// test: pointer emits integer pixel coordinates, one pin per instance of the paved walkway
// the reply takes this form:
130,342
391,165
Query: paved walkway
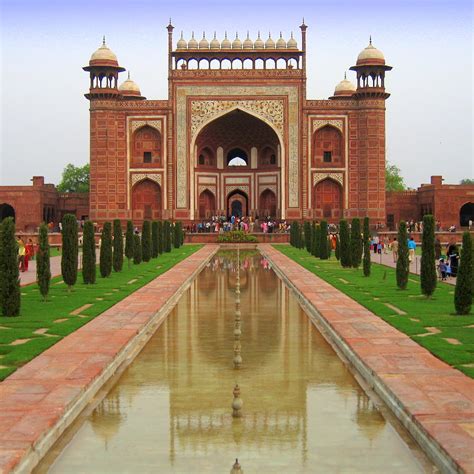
41,399
438,399
415,265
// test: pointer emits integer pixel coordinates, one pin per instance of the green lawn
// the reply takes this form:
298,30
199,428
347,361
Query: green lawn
421,313
53,320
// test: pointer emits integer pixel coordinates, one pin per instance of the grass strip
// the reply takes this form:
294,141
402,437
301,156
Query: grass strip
421,313
55,314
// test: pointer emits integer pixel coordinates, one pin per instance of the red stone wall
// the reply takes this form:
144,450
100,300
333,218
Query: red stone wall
401,206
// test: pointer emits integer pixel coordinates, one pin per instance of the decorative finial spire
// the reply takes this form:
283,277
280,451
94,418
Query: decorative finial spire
258,34
225,34
236,35
269,34
192,34
345,74
248,34
370,40
215,35
203,35
103,40
281,35
182,34
128,75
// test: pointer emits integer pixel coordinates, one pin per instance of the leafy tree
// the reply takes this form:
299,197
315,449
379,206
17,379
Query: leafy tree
146,241
315,250
9,273
70,250
337,251
88,254
323,246
105,257
154,239
366,244
75,179
393,180
466,181
137,249
118,246
160,237
428,277
345,244
403,264
307,235
356,243
464,287
43,268
129,242
167,236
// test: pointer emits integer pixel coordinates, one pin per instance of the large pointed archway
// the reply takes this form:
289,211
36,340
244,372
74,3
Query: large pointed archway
247,155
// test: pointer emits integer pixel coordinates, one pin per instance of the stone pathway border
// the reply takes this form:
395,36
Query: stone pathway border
41,399
432,400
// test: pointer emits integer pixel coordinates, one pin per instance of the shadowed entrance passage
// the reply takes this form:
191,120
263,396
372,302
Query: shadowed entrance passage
237,204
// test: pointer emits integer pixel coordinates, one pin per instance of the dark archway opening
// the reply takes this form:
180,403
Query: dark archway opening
237,157
6,211
237,204
466,213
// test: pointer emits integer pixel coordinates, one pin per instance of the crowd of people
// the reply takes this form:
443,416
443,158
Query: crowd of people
220,224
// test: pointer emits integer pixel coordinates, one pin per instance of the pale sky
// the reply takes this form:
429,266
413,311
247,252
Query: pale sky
44,44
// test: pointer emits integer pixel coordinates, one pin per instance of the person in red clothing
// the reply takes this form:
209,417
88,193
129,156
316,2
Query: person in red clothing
29,253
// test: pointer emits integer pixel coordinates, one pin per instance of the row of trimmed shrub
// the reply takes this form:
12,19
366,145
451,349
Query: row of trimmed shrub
353,248
156,237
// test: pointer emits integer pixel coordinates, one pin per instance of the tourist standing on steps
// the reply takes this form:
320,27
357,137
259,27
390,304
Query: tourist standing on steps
394,247
411,249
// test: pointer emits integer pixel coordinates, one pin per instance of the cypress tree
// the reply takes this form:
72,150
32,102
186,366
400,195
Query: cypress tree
328,242
307,235
178,234
296,234
70,250
356,243
301,237
146,241
137,249
105,258
292,234
317,241
167,236
160,237
402,262
367,261
129,242
345,244
154,239
323,246
88,254
313,237
118,246
463,291
337,251
428,277
9,272
43,268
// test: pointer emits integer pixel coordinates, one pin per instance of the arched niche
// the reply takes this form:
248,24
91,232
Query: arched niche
146,148
146,200
466,213
6,210
327,199
207,204
328,148
267,206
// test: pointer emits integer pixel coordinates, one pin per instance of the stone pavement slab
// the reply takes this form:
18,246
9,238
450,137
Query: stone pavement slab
434,401
39,400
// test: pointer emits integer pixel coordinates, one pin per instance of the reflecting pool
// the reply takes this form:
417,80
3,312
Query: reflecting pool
170,411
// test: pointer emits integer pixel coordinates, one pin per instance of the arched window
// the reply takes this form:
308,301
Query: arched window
237,157
268,157
206,157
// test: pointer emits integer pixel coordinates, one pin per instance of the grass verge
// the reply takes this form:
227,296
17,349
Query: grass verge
43,324
454,343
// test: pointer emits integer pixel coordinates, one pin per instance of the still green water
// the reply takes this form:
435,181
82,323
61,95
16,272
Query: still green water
170,411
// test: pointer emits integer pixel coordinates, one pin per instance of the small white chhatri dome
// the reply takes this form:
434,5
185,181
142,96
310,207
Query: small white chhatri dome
248,43
236,44
203,44
182,43
259,44
281,43
129,87
292,44
226,44
345,87
192,43
215,43
269,44
104,53
370,55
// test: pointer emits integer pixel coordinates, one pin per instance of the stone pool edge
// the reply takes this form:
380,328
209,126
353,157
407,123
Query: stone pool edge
434,448
26,461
